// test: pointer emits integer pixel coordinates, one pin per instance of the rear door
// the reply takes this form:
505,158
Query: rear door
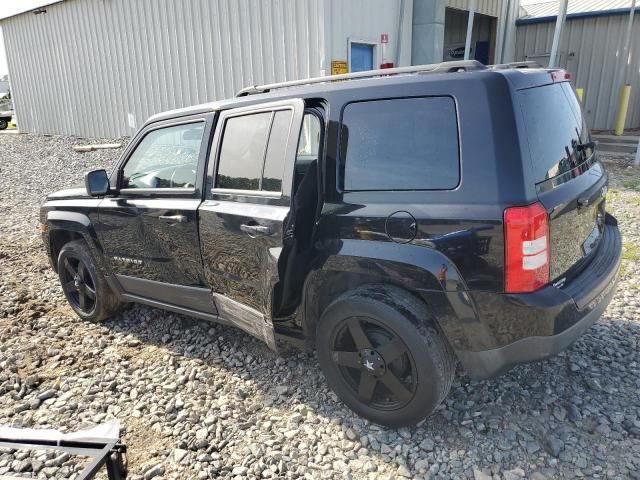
247,202
570,181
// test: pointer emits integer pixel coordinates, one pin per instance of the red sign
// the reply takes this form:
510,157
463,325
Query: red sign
384,38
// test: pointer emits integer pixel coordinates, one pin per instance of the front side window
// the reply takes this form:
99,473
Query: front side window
253,151
165,158
400,144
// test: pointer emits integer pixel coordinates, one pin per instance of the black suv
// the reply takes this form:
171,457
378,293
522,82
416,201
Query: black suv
396,221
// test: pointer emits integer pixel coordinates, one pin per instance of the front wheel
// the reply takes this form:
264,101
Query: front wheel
83,285
383,357
3,124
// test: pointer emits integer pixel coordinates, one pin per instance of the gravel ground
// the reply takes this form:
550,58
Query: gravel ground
197,400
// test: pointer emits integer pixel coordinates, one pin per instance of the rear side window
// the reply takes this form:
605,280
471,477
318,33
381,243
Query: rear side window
400,144
555,130
252,153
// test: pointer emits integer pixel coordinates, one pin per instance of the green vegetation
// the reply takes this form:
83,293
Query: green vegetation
630,252
632,184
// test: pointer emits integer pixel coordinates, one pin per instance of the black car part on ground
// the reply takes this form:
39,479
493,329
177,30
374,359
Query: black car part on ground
109,453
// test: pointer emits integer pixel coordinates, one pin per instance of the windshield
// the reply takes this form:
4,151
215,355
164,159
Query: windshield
556,132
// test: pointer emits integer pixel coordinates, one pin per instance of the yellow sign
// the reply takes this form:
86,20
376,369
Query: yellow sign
338,67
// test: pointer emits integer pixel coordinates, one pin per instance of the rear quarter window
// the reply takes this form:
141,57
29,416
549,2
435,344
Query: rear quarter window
400,144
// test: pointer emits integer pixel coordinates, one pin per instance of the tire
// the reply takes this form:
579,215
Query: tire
3,124
400,370
83,285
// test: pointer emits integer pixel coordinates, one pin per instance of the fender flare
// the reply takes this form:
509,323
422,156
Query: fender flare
78,223
422,271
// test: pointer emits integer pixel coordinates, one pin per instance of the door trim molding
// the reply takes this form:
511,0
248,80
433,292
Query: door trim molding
196,299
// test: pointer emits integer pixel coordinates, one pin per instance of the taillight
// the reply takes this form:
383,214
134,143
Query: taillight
526,239
560,76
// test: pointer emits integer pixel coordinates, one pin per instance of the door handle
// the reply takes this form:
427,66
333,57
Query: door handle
255,229
173,218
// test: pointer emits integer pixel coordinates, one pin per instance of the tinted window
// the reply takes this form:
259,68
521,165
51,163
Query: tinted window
554,129
242,151
401,144
276,151
309,142
165,158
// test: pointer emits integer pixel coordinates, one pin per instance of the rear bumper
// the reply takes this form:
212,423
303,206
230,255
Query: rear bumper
530,327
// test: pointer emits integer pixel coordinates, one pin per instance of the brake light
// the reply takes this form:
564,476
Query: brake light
526,239
560,76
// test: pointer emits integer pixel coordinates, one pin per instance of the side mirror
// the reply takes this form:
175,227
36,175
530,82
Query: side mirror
96,182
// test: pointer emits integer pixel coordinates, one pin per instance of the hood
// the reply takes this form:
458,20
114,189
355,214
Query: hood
76,192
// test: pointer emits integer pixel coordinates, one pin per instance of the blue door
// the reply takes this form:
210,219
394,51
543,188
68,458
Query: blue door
361,57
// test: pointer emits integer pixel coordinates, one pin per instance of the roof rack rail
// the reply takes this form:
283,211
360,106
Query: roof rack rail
505,66
463,65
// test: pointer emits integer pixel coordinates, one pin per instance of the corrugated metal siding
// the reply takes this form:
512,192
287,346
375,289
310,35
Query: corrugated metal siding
86,65
366,20
550,9
486,7
590,49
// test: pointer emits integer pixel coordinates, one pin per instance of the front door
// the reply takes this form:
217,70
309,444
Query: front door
247,202
149,228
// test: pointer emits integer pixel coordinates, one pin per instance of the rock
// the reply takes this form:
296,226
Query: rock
515,474
554,446
23,466
47,394
239,471
282,390
427,445
574,413
351,434
179,454
403,471
57,461
480,475
21,407
155,471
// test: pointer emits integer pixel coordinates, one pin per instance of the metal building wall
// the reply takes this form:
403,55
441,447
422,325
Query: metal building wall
86,67
366,20
590,49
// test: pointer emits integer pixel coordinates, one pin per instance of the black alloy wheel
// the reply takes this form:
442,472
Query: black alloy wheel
84,285
382,354
78,285
375,363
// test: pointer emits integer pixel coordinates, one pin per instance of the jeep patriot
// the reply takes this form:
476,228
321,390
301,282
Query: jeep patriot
397,222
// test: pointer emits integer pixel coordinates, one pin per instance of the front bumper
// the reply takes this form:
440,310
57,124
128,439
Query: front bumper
536,326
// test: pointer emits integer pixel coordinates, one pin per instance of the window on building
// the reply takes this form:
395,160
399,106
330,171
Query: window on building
165,158
361,57
400,144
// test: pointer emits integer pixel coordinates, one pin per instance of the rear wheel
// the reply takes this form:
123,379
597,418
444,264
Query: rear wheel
83,285
3,123
383,357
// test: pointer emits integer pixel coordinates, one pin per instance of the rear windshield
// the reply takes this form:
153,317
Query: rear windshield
555,130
